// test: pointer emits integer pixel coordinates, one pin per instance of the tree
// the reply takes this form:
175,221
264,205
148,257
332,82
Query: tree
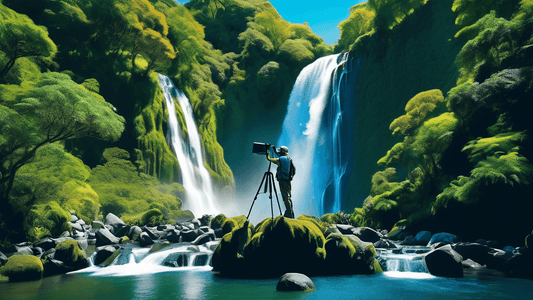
416,111
358,24
391,12
55,109
20,37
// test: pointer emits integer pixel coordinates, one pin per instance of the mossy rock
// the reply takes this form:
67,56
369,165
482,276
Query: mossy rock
228,256
234,223
285,245
153,217
349,255
22,268
218,221
71,253
318,222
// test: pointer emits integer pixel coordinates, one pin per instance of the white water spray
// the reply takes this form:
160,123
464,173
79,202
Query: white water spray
188,150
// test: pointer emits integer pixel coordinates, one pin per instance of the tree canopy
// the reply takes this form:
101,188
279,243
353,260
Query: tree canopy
20,37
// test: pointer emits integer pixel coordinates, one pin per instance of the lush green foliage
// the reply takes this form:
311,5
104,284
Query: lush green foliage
129,194
391,12
471,163
20,37
359,23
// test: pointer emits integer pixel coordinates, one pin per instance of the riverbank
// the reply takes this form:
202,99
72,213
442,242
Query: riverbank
236,248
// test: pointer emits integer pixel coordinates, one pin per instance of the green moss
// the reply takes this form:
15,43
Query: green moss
71,253
229,225
153,217
22,268
218,221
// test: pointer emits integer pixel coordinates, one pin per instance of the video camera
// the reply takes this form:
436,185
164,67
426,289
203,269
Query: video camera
261,148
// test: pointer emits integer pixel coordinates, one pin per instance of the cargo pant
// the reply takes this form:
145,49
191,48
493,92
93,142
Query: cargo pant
285,190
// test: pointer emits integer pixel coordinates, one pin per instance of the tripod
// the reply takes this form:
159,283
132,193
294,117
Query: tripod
268,179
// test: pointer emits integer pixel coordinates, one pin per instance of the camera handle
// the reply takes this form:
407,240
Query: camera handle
268,180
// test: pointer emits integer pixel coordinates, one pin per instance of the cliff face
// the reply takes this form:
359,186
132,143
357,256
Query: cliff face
418,55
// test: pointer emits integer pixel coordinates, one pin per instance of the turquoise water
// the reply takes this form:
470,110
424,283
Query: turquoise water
203,284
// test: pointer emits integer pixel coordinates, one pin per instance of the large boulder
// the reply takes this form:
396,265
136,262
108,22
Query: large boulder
105,237
295,282
173,236
104,253
347,254
113,220
367,234
204,238
22,268
145,240
228,257
134,233
482,254
285,245
282,245
97,224
54,267
189,235
444,262
71,253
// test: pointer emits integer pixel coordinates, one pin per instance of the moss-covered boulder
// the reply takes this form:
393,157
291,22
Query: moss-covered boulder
228,256
71,253
283,245
22,268
218,221
347,254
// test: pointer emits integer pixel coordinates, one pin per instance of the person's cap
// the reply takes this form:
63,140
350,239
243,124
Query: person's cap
283,149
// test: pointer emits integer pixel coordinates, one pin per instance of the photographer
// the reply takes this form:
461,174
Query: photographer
284,175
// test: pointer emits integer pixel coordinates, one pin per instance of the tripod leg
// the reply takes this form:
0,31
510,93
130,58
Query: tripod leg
271,182
277,199
257,193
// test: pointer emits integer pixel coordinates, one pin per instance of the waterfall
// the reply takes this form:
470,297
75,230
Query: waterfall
188,150
404,261
311,131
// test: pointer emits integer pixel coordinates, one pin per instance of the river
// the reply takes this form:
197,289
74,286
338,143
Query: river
201,283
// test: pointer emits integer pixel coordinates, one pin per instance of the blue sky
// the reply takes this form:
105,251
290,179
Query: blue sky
322,16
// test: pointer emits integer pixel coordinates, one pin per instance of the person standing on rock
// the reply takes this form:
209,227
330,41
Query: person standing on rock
284,175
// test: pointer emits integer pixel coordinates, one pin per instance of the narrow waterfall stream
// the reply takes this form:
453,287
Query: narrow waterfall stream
311,132
188,150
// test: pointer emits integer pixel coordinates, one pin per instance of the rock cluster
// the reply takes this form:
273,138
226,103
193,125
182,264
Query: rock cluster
450,257
280,245
105,239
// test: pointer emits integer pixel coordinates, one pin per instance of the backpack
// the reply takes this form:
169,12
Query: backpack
286,169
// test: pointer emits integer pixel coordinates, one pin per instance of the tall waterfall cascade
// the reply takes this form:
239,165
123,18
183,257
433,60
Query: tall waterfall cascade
188,150
312,132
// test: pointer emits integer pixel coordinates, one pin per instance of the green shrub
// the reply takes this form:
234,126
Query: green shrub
153,217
